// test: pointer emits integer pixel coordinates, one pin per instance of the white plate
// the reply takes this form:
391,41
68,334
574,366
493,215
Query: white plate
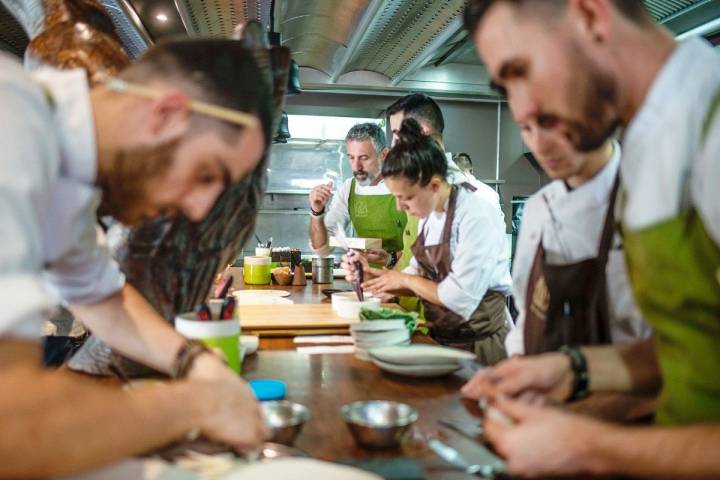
420,355
249,343
262,300
437,370
377,325
378,339
299,468
268,292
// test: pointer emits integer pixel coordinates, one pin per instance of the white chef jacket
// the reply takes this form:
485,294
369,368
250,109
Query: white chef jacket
51,246
339,212
478,247
662,148
570,224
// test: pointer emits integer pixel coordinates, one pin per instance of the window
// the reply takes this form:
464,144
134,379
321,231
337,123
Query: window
318,127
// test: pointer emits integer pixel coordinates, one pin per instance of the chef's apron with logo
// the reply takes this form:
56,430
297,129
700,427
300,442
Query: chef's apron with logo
568,304
674,269
377,216
484,332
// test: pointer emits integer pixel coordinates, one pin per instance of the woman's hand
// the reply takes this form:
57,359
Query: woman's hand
385,281
347,264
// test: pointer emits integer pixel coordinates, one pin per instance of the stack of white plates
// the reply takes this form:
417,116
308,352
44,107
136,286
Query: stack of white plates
378,333
419,360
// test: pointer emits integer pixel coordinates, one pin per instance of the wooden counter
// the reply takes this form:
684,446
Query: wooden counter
325,382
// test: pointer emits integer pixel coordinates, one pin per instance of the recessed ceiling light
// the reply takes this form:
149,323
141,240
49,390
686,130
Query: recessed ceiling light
161,17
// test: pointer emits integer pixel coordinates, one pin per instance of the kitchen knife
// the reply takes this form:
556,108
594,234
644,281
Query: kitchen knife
488,466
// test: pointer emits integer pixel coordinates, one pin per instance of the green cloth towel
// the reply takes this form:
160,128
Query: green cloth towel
411,318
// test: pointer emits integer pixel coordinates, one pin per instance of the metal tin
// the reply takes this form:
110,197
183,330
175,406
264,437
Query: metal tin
322,269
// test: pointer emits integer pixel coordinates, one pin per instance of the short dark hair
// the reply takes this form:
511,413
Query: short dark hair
421,108
220,71
416,156
475,10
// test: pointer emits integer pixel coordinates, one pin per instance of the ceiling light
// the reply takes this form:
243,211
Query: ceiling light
161,17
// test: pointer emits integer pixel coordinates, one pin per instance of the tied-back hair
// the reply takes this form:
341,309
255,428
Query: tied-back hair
416,157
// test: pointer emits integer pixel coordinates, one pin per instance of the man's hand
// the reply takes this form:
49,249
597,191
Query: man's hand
230,413
543,377
377,256
320,196
541,441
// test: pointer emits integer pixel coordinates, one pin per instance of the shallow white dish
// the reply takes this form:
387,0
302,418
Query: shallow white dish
249,343
299,468
392,337
268,292
421,355
436,370
377,326
262,300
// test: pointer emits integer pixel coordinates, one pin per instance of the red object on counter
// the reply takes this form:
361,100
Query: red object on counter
203,313
228,309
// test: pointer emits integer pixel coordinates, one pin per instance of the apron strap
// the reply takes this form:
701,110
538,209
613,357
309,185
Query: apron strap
609,228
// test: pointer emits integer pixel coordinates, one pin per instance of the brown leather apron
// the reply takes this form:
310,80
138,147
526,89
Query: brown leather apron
484,332
568,304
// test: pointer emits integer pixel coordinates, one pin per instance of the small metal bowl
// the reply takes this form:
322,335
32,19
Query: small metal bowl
379,424
285,419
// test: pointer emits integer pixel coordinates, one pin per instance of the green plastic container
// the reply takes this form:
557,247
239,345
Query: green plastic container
256,270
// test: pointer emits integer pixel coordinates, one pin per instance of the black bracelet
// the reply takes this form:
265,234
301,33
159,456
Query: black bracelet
578,363
393,260
185,358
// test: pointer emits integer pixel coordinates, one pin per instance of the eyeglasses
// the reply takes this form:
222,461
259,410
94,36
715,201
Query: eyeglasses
198,106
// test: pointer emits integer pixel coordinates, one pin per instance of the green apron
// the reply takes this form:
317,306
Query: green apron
377,216
674,269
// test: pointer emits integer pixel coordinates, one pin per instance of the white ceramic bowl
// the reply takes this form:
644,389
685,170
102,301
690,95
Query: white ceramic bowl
351,308
340,297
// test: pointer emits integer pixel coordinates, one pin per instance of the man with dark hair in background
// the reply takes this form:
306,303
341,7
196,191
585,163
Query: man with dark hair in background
464,163
583,68
140,141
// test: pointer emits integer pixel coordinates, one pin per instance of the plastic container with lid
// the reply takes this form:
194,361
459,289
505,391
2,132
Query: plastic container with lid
256,270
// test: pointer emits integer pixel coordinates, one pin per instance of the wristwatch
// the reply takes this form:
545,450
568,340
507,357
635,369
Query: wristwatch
578,364
317,214
393,260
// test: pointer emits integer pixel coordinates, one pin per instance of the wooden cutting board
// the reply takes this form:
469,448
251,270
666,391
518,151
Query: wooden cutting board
291,317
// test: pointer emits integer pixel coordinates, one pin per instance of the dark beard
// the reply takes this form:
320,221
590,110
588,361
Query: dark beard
125,195
598,92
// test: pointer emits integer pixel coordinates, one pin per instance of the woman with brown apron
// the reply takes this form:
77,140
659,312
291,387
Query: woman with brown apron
460,267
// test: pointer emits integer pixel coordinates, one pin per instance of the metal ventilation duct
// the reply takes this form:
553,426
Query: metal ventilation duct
388,37
319,33
663,10
217,18
13,38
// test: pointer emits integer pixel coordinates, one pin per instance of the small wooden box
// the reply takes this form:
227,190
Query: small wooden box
359,243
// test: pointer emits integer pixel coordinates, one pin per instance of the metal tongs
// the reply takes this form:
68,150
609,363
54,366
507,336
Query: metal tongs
357,265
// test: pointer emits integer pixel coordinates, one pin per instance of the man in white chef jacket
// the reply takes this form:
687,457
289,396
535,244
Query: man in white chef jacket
141,144
582,68
568,215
